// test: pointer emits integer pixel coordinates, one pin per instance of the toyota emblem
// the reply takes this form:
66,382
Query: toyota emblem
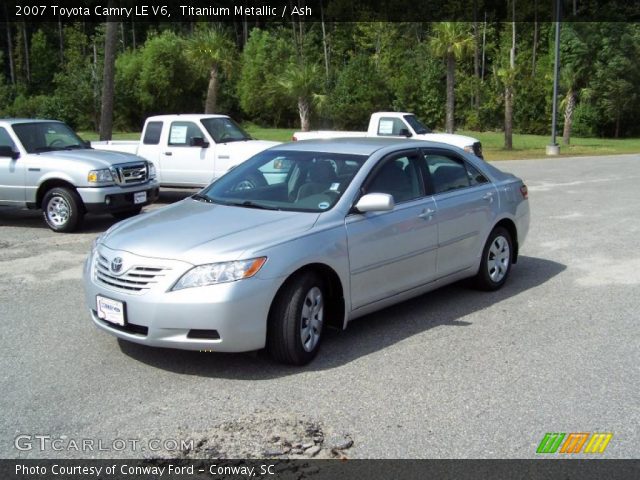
116,265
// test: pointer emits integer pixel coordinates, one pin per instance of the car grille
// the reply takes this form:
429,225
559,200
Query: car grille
137,279
477,149
131,174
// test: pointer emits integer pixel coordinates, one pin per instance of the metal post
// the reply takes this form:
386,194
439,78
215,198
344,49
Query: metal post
554,148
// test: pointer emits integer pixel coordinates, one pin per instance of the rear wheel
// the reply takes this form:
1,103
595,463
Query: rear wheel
296,320
127,213
496,260
62,209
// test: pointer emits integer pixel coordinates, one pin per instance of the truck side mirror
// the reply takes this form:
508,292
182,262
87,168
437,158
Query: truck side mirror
404,132
7,151
198,142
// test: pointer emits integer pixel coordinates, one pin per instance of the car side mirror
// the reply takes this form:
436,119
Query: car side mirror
404,132
7,151
375,202
198,142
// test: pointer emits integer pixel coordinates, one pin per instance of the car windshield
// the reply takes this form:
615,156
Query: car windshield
40,137
286,180
416,124
224,130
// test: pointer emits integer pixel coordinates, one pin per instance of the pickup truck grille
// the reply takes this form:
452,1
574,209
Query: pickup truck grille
137,279
131,174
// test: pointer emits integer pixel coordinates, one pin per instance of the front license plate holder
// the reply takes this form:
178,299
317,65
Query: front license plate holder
139,197
111,311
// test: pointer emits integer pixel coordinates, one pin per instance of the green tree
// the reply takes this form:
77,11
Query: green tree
451,41
301,82
212,51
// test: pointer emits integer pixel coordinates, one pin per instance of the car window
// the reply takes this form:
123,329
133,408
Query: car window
181,133
399,177
5,139
389,126
224,130
475,177
447,173
38,137
152,133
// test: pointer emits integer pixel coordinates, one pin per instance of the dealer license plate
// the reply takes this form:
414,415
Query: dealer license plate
139,197
111,311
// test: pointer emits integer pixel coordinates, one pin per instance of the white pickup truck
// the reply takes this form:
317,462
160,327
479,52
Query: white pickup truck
399,124
190,150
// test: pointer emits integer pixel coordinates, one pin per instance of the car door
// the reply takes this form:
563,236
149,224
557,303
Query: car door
183,163
394,251
467,202
12,173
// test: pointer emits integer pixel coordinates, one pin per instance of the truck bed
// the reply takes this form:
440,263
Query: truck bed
127,146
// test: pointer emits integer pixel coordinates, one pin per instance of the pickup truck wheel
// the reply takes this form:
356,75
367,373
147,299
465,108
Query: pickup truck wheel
296,320
127,213
62,209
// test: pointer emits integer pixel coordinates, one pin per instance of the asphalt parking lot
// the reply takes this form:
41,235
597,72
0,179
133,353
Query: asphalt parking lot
454,373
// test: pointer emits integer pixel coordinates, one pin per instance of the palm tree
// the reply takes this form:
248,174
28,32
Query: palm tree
213,51
575,66
451,41
300,81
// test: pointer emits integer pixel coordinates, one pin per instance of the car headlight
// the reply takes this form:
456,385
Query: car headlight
220,273
100,176
151,168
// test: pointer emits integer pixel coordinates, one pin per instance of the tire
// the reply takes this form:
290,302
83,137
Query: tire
497,257
62,209
126,213
297,314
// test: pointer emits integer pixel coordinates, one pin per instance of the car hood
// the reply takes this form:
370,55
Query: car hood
95,159
460,141
198,232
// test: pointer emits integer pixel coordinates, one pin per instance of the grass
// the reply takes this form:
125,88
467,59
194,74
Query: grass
525,146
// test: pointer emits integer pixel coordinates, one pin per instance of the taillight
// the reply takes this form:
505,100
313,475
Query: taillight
524,191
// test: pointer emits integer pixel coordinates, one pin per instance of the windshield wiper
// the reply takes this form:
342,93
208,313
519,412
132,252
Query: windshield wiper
202,198
250,204
44,149
74,147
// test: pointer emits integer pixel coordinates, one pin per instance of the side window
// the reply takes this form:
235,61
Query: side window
475,177
181,133
399,177
5,139
388,126
447,173
152,133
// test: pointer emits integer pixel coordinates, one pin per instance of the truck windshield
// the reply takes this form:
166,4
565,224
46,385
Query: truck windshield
224,130
39,137
416,124
288,180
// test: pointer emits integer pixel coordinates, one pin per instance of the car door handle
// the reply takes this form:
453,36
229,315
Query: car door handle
168,154
427,213
488,196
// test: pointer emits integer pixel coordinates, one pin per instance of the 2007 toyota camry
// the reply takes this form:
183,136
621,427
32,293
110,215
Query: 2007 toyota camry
303,236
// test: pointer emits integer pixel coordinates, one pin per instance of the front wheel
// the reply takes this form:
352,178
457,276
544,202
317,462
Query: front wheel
296,320
496,260
62,209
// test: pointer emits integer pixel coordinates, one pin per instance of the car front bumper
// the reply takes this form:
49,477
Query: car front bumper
236,311
116,198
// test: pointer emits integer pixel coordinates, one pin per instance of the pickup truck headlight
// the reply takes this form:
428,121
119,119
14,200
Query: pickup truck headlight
214,273
151,168
100,176
469,149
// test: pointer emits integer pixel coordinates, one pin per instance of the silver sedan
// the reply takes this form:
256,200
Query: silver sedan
301,237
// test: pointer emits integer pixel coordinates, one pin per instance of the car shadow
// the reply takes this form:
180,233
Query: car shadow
371,333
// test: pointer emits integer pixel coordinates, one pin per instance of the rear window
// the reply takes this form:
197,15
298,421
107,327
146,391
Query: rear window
152,133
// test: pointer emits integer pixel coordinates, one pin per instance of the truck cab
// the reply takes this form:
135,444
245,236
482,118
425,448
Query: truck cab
192,150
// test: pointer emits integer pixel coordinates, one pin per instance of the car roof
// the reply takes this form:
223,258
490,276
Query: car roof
187,116
12,121
356,146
